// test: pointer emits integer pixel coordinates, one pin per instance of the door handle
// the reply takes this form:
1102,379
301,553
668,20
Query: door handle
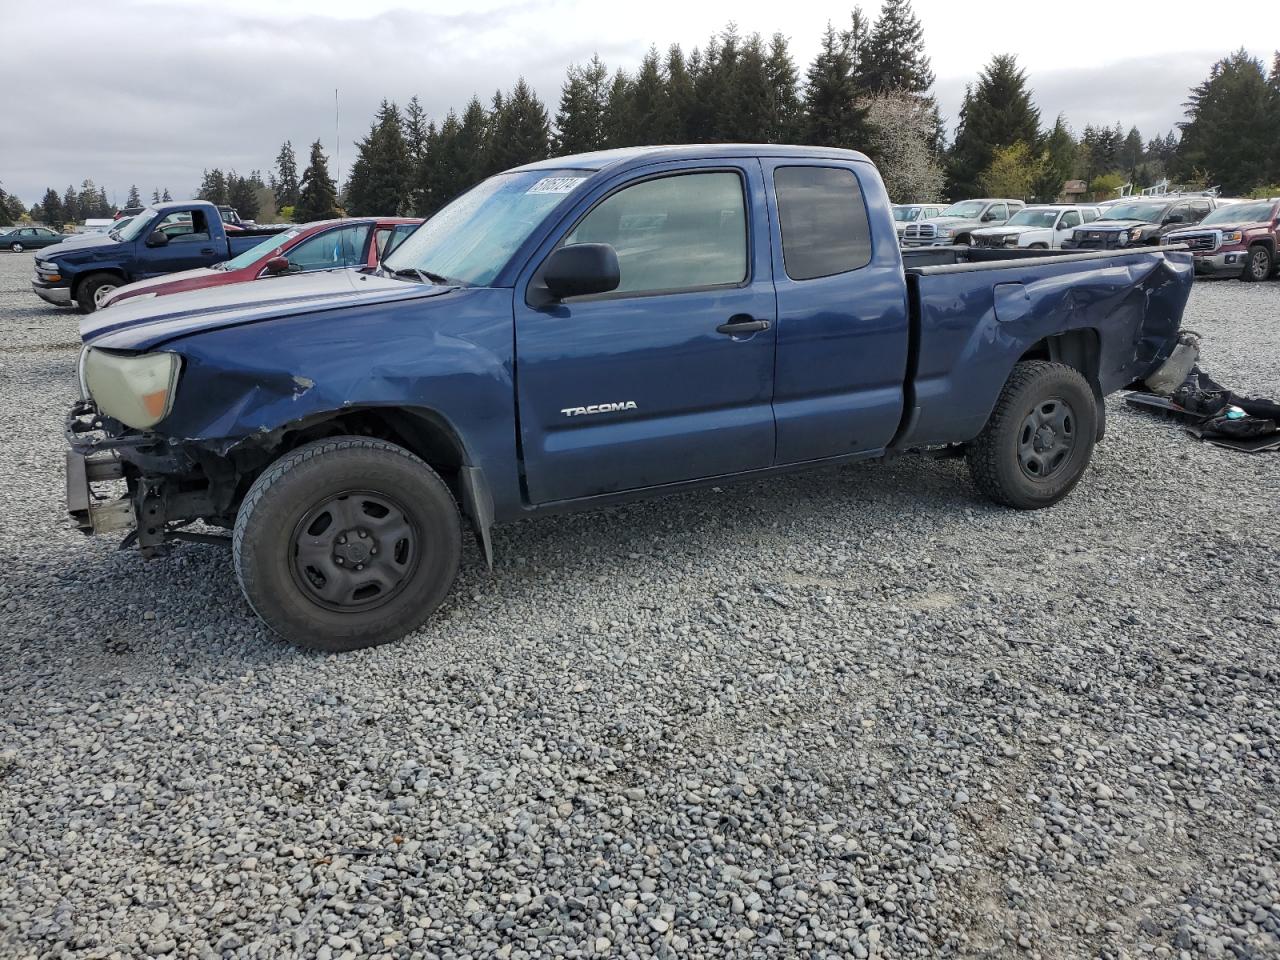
208,251
742,323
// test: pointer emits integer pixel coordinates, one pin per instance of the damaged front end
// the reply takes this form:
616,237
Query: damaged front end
149,487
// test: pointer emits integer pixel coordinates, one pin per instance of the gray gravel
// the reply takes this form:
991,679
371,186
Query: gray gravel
855,713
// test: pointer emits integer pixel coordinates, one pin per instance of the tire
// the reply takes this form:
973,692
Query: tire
318,601
1046,415
92,288
963,240
16,247
1038,246
1259,265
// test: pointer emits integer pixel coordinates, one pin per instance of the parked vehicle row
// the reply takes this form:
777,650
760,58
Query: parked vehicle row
1041,227
581,331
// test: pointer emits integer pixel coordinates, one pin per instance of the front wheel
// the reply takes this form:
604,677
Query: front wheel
1258,267
94,289
345,543
1039,439
16,247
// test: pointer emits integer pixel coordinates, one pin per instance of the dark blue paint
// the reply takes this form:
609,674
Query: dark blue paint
831,379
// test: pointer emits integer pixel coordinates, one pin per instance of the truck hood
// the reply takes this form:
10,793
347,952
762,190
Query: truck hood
1115,225
155,283
1006,230
952,221
1224,227
81,245
144,323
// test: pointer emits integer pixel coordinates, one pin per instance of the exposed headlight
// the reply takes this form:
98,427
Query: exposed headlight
135,388
1135,234
1232,236
945,231
47,266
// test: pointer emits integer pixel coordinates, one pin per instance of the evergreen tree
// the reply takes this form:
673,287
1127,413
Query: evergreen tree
995,114
522,132
832,115
213,186
51,207
419,137
784,117
166,198
680,94
285,182
856,39
155,194
317,193
649,102
71,205
749,115
1131,153
1058,162
618,128
134,199
448,162
242,194
1228,136
472,146
580,117
380,177
1273,114
894,58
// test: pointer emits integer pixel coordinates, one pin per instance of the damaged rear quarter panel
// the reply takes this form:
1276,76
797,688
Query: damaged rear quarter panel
450,355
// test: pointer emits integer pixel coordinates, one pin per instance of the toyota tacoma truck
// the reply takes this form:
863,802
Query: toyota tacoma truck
1238,240
163,238
582,331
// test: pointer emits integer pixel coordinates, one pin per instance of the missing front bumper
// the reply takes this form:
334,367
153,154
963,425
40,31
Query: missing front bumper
90,512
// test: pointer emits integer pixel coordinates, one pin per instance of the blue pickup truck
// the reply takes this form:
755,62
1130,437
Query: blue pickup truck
163,238
581,331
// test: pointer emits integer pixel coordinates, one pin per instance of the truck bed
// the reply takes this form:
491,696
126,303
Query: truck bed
975,313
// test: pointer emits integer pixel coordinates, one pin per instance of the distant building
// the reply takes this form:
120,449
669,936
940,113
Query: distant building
1073,191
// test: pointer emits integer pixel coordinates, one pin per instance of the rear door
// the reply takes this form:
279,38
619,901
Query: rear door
842,311
649,384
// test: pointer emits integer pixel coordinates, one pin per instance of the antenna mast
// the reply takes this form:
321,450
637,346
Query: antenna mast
337,144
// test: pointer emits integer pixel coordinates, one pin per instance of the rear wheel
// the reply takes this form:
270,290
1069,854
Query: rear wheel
1039,439
95,288
346,543
1259,264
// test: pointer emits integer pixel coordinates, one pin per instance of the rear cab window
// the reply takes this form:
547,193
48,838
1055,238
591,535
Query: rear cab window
823,221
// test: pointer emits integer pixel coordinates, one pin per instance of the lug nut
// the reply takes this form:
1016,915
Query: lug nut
359,566
338,561
374,550
363,534
342,539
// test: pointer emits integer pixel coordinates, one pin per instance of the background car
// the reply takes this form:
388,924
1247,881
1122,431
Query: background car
905,213
1139,222
1036,228
323,245
1240,239
956,224
30,238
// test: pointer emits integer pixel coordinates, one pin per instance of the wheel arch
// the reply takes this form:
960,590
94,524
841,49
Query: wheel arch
1080,349
79,280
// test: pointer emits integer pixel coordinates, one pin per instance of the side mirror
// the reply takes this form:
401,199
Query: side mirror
157,238
277,265
988,217
580,270
1174,218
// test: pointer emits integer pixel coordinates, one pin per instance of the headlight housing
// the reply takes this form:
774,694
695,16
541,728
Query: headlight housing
945,231
1232,236
135,388
1135,234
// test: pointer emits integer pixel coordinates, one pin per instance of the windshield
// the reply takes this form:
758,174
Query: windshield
1240,213
258,251
472,238
1146,212
134,228
906,213
966,208
1033,218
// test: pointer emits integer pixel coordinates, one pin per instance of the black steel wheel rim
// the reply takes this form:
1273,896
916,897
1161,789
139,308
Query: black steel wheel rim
354,551
1046,438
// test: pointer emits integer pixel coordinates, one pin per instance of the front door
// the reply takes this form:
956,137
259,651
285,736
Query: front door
191,244
660,380
1067,224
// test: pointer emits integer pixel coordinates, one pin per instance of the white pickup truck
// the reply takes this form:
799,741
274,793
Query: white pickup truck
1042,227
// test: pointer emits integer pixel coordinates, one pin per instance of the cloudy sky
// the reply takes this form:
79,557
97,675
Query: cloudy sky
152,91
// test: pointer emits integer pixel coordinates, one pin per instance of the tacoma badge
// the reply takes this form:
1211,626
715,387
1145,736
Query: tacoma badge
599,408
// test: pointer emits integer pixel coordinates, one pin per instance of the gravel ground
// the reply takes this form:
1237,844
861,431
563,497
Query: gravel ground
857,713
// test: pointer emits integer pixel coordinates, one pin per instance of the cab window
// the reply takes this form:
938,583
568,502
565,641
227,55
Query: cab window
823,221
681,232
343,247
1069,219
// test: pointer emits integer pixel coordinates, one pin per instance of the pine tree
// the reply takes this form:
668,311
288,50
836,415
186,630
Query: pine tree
832,115
155,194
317,194
783,123
1131,153
134,199
1273,117
750,109
213,187
995,114
1228,135
472,146
419,135
71,205
380,177
1058,162
680,94
165,197
448,162
51,206
648,102
286,176
580,117
522,131
894,58
856,39
618,128
242,194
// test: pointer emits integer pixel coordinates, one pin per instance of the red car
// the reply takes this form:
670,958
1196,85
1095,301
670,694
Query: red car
323,245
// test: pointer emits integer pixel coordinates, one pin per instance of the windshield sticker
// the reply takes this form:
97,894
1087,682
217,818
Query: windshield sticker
555,185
